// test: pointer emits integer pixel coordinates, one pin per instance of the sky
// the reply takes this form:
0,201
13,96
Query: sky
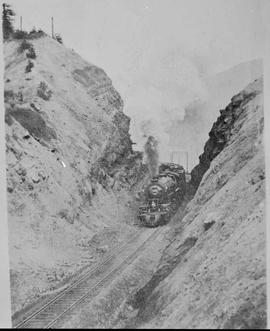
157,52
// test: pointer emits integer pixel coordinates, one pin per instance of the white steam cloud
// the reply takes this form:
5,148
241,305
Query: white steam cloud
165,88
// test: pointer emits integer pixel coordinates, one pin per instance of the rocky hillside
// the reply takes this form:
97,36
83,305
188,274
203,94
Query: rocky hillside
70,165
222,131
212,274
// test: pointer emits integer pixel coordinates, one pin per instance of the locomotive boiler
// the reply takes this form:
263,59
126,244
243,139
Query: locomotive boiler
163,195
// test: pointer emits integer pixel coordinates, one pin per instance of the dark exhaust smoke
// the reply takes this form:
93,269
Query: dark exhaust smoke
151,152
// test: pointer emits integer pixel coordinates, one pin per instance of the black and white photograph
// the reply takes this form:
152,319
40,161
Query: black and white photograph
134,164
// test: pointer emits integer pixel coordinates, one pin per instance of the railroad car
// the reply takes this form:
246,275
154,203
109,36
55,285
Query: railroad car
163,195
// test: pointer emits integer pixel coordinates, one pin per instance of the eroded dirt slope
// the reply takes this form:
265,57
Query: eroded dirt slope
70,166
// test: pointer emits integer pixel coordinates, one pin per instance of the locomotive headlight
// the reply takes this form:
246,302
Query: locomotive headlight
153,204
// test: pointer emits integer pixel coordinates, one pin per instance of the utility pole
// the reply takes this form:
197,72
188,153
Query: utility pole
52,29
21,23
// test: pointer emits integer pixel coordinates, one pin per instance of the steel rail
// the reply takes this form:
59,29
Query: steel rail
85,277
104,279
80,280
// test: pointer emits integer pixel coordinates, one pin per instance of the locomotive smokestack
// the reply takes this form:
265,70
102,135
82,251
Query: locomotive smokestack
151,151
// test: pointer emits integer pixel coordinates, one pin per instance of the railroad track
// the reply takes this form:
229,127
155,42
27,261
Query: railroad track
94,279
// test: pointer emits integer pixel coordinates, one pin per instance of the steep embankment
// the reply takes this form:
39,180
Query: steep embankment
213,272
70,165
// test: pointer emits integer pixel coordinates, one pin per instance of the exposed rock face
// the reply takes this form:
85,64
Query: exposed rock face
100,87
221,132
70,166
213,272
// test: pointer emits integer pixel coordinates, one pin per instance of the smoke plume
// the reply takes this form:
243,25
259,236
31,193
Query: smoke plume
165,86
151,153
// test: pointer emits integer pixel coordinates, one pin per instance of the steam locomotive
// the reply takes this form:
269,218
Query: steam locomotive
163,195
